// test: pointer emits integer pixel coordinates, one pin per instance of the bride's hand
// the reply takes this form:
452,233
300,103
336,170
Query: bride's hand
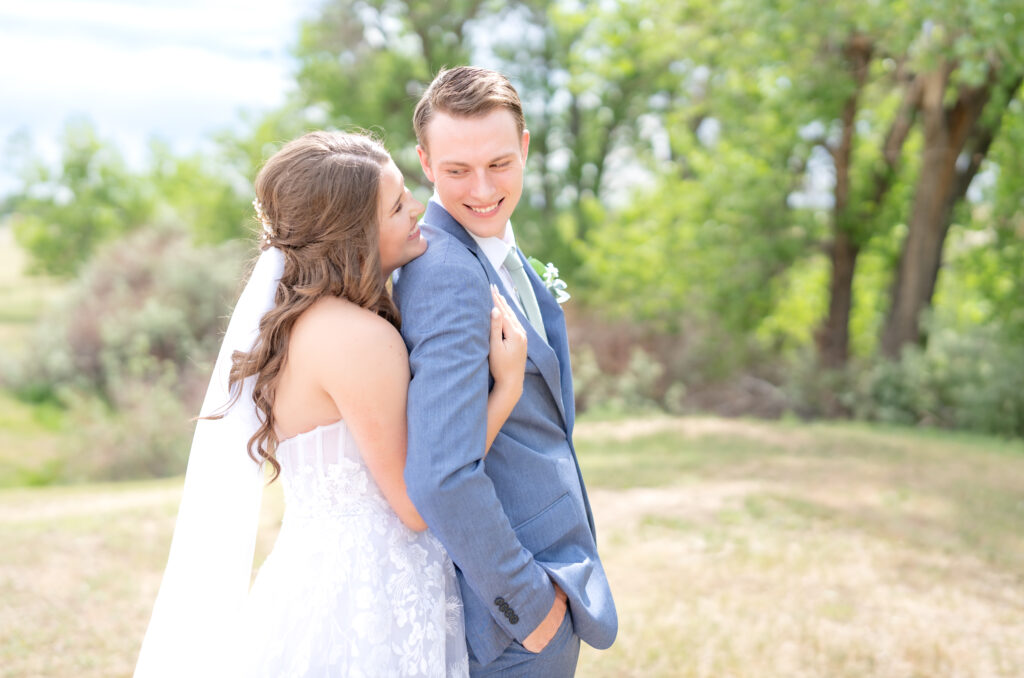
507,358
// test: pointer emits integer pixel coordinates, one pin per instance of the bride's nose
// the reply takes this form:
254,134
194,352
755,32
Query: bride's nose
417,209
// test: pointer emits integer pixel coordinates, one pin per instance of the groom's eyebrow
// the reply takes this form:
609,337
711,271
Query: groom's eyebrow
461,163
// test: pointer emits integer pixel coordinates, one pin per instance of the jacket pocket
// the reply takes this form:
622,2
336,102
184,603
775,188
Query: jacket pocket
548,526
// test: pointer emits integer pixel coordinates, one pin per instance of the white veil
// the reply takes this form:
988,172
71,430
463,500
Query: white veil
210,562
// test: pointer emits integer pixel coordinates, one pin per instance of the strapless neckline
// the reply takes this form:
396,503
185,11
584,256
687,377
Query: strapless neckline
322,428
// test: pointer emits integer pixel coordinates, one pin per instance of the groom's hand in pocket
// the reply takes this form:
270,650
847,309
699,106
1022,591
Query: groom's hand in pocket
545,631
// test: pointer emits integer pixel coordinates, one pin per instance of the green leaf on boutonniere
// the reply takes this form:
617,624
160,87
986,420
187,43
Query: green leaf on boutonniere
549,274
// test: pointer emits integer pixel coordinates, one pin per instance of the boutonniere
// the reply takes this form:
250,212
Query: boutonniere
549,274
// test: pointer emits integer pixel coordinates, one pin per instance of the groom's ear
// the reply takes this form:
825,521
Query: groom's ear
425,162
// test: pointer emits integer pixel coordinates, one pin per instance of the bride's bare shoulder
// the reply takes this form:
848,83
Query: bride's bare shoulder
334,325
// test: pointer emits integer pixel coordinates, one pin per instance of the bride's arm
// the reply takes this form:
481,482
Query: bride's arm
365,370
363,365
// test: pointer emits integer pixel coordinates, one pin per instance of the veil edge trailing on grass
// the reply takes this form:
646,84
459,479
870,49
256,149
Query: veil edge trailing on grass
210,563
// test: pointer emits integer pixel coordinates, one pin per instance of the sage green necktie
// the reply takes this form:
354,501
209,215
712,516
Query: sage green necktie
525,291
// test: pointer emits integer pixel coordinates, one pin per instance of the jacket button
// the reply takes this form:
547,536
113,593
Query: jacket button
504,608
499,601
513,619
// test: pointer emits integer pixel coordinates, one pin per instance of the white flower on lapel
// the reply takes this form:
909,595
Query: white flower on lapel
549,274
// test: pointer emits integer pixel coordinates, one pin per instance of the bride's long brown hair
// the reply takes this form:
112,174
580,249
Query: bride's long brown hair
319,196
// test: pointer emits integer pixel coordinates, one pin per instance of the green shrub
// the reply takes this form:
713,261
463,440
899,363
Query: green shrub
145,304
632,390
961,380
964,380
130,349
145,433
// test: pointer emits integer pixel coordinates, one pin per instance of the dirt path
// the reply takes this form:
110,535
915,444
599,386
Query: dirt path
44,505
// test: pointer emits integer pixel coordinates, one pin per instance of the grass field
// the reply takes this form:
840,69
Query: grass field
734,548
29,435
30,440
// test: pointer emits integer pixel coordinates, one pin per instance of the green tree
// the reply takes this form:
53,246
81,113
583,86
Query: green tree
587,74
902,107
990,256
710,227
583,97
202,192
910,98
365,63
61,214
968,66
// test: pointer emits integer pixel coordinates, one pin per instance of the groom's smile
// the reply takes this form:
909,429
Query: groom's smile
488,211
476,165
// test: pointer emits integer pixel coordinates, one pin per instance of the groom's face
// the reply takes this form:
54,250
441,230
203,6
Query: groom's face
476,165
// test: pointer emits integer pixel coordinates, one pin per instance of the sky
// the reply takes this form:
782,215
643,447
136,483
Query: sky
176,69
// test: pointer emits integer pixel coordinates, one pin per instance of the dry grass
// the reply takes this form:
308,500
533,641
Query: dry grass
79,572
740,549
834,551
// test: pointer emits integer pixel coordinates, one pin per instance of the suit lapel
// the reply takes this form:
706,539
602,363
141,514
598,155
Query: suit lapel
558,343
438,217
551,359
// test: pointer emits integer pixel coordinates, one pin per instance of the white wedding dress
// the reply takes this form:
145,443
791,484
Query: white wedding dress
348,590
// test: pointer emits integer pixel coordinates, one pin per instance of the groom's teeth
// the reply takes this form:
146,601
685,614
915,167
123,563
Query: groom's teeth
483,210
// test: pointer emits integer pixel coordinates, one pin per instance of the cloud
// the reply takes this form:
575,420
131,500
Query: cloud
174,69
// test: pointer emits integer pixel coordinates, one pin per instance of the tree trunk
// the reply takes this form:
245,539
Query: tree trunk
833,337
940,186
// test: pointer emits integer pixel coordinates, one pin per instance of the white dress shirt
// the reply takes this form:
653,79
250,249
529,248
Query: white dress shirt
496,248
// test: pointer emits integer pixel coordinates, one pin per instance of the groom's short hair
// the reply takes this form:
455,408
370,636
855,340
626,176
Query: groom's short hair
468,92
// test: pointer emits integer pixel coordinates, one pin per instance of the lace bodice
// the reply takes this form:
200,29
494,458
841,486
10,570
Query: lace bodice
349,590
324,476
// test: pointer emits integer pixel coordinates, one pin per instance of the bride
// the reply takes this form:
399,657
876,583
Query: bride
312,380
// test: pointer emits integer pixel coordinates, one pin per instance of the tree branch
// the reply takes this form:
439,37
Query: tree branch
892,147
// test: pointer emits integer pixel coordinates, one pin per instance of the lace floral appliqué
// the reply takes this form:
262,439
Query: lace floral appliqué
348,590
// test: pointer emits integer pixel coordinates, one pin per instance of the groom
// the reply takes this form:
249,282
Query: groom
518,525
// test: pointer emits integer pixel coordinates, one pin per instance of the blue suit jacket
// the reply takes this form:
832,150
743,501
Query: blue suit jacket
522,515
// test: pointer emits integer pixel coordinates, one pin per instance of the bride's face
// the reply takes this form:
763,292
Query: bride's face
398,213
